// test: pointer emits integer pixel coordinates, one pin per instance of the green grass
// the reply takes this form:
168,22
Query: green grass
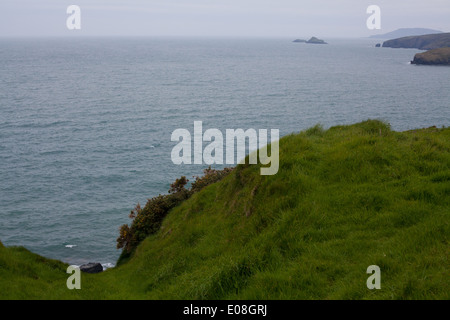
343,199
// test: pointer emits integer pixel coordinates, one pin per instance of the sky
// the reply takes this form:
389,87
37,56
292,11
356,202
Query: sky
219,18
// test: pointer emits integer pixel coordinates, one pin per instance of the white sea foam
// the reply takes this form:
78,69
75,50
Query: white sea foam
107,265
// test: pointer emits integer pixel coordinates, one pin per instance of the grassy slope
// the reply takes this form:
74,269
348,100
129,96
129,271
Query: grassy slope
344,199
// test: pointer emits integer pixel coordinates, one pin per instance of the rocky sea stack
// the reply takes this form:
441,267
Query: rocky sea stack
315,40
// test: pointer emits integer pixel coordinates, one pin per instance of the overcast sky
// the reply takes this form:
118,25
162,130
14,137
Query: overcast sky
245,18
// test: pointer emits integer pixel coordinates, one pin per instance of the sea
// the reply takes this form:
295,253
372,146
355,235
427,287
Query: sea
86,123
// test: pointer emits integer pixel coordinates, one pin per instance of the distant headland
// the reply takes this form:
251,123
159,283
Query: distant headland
437,44
405,32
424,42
439,56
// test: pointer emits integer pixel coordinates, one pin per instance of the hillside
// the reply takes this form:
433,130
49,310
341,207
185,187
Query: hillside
405,32
425,42
344,199
439,56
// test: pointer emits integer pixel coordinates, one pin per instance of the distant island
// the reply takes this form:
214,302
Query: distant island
405,32
424,42
313,40
439,56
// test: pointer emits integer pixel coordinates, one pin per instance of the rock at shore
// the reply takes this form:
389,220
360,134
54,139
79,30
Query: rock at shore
439,56
299,40
91,267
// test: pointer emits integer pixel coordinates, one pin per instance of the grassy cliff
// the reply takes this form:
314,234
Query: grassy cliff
439,56
343,199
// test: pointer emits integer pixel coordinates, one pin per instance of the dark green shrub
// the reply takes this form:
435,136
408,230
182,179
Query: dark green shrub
148,220
210,176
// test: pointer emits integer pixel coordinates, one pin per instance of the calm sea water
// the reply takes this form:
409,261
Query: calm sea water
85,124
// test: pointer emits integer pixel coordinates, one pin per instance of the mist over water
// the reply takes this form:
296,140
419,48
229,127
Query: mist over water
85,124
